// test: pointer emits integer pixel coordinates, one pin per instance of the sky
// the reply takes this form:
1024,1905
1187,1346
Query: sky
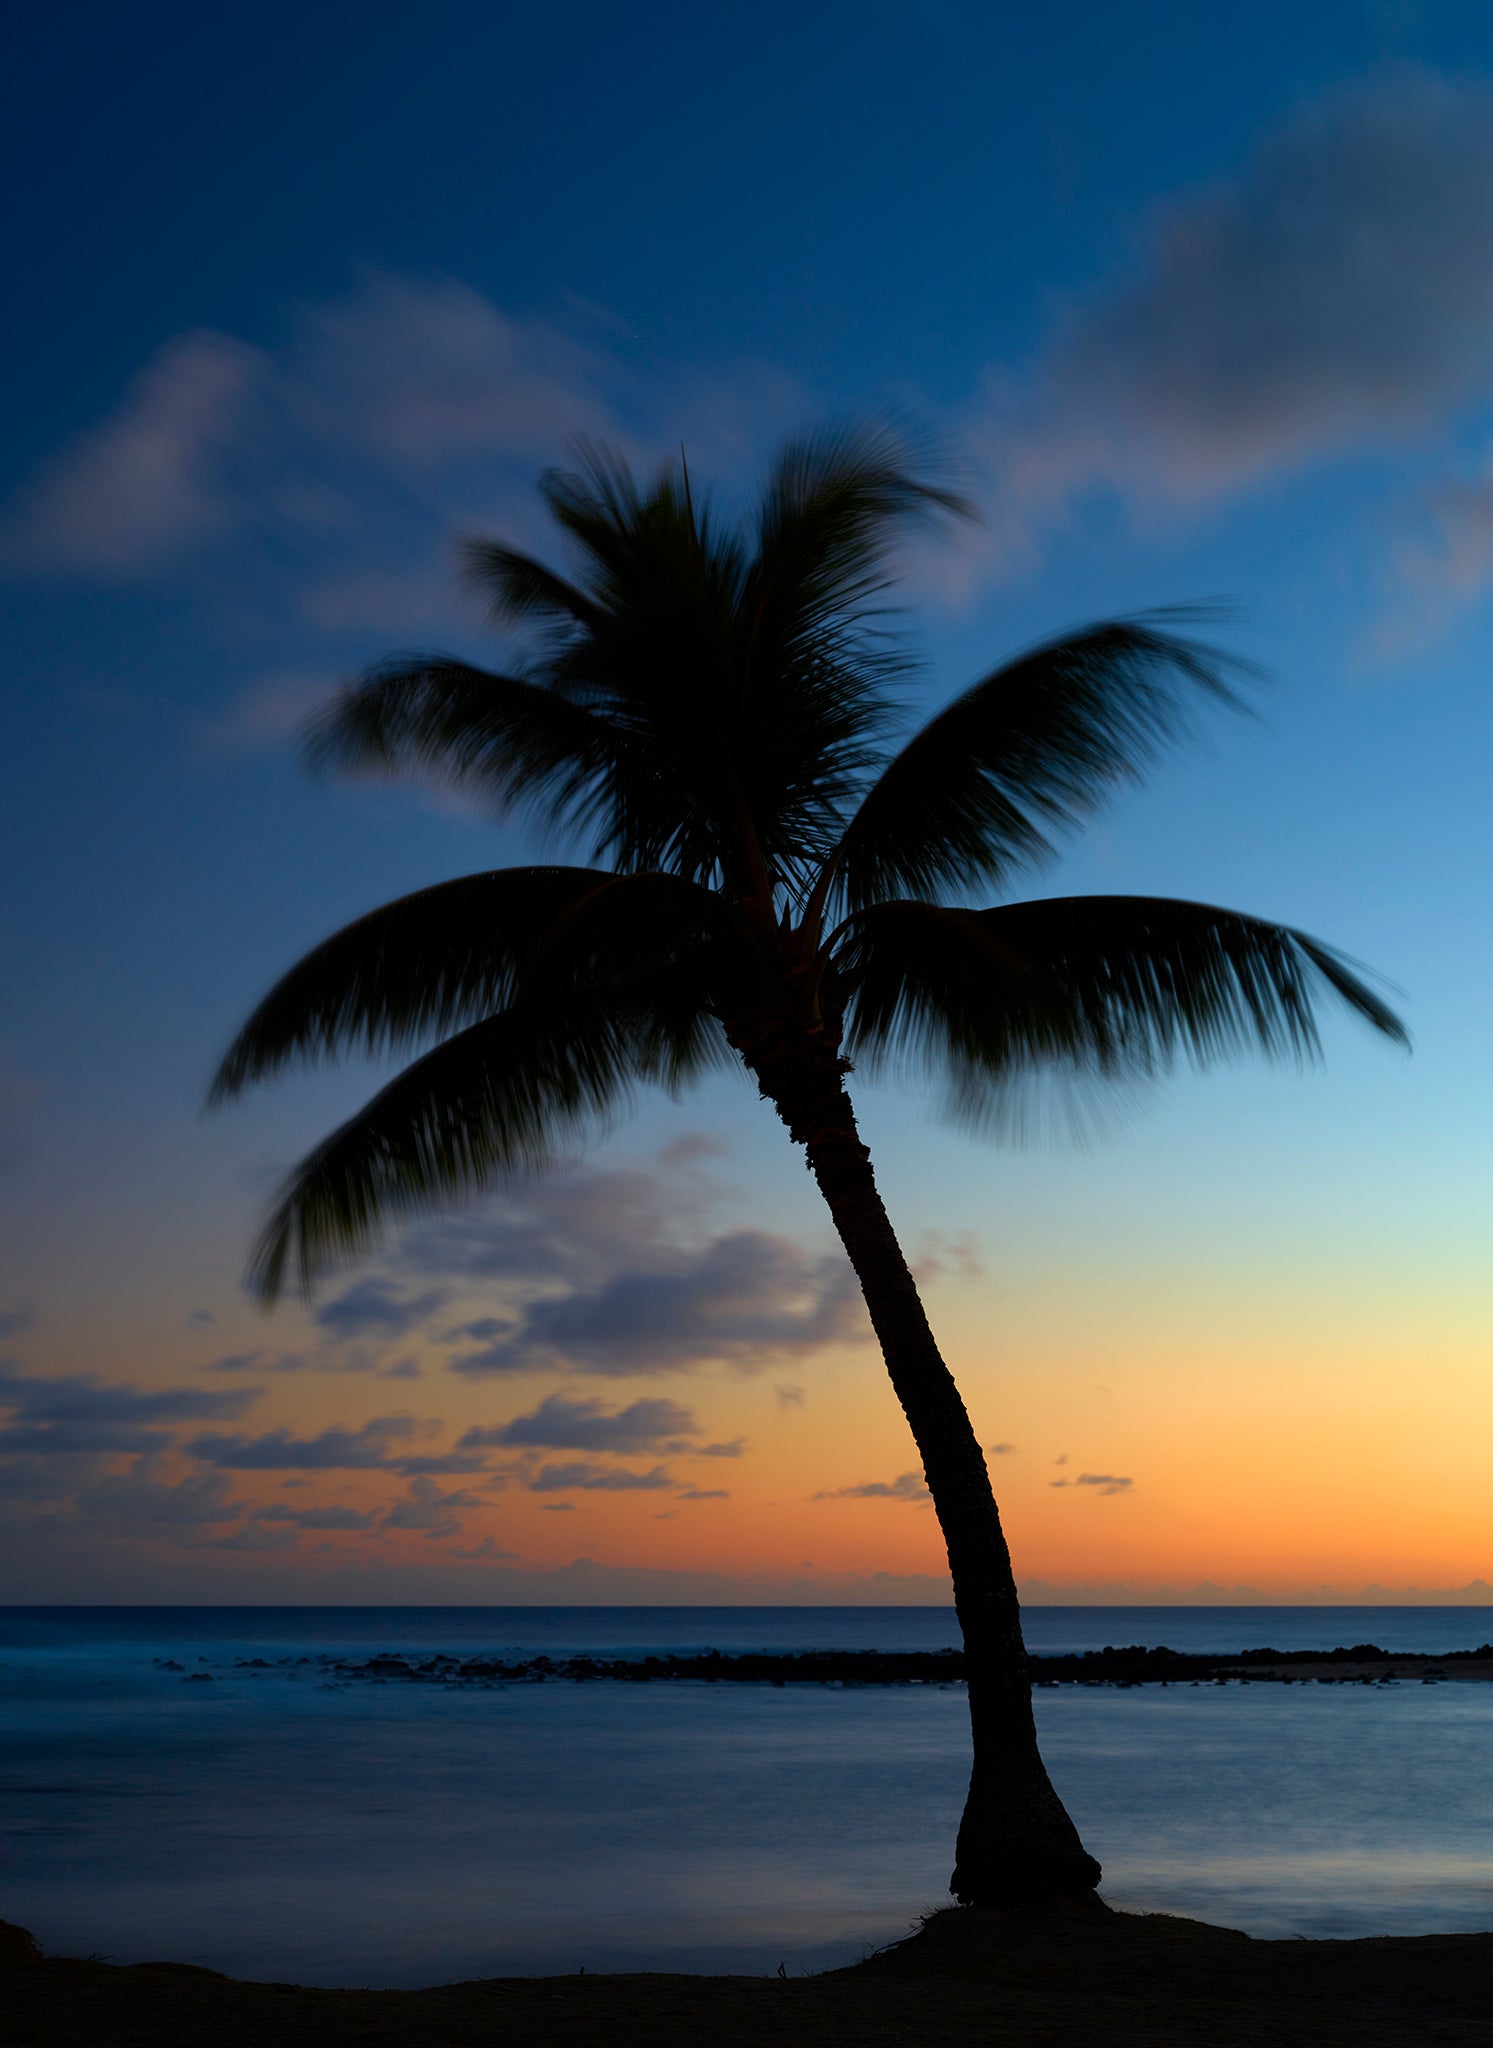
1199,303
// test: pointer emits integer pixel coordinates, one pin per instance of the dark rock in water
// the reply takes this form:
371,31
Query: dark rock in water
199,1678
1121,1665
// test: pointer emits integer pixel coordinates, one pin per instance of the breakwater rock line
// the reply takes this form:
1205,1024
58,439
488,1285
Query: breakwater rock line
1134,1664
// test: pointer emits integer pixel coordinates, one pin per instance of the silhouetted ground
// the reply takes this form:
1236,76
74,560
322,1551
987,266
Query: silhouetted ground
969,1979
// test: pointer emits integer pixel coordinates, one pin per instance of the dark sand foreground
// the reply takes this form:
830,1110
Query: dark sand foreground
1075,1977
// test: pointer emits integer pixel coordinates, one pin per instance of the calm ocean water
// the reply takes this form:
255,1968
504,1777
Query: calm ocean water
274,1826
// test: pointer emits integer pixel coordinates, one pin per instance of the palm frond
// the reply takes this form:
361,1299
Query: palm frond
427,963
1113,988
740,689
834,505
518,587
503,738
1035,746
500,1098
448,956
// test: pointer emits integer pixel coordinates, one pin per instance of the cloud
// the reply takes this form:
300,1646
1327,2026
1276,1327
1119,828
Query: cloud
399,384
742,1300
318,1518
269,712
703,1493
789,1397
81,1413
370,1447
906,1486
487,1551
574,1226
736,1448
14,1320
353,1360
1105,1482
1332,294
252,1536
605,1271
430,1511
134,1504
938,1254
608,1271
585,1425
999,1450
344,457
459,1460
153,482
259,1361
1447,563
377,1308
592,1478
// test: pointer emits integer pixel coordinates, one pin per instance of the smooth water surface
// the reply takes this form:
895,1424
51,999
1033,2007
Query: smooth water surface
267,1824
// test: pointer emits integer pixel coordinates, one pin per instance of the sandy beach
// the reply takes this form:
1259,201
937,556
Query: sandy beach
967,1977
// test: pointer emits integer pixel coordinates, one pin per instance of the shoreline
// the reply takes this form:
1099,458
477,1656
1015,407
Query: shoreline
965,1979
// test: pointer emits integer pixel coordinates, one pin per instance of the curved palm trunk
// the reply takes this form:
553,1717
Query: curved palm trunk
1016,1842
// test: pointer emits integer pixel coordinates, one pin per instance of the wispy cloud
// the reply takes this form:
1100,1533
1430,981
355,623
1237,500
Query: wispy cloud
155,480
1332,293
135,1503
80,1413
909,1486
318,1518
343,456
589,1477
586,1425
1103,1482
429,1511
377,1307
374,1446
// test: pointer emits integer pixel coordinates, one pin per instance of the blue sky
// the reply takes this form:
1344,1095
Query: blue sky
1202,308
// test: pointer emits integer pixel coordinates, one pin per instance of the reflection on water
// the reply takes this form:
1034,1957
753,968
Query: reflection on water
401,1836
1331,1810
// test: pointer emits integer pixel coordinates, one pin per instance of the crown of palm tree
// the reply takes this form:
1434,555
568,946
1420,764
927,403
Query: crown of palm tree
710,713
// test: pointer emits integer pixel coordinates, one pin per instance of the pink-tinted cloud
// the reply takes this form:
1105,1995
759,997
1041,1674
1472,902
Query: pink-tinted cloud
150,484
389,421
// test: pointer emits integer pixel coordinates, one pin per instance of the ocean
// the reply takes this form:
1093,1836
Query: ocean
160,1799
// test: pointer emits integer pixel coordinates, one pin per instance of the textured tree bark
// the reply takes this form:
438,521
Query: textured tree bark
1017,1844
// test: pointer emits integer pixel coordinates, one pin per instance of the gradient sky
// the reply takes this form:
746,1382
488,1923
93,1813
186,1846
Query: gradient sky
1203,302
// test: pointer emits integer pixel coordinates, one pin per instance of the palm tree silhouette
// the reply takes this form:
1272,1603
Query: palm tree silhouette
709,709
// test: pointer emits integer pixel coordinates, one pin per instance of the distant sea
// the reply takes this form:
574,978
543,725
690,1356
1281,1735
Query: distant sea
275,1825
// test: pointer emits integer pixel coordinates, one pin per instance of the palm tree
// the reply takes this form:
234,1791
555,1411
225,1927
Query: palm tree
708,708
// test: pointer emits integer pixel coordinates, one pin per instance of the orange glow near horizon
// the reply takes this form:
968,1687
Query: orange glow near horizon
1199,1431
